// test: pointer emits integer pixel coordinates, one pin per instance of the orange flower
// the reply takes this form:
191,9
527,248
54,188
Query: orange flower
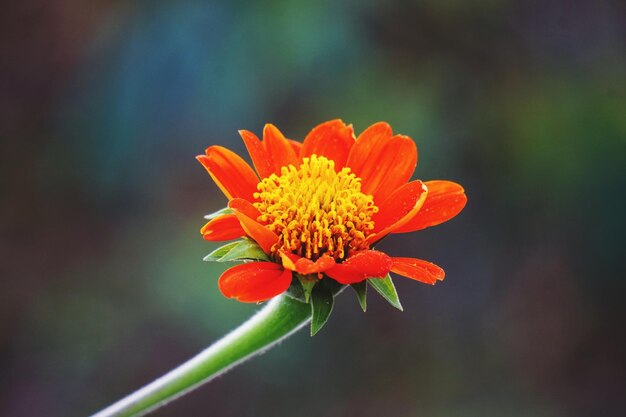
317,208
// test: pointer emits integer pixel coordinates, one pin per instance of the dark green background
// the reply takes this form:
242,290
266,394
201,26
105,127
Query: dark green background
105,104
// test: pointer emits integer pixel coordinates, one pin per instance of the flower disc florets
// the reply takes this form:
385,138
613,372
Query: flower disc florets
315,210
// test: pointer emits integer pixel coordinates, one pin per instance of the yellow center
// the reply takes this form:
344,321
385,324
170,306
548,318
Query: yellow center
316,210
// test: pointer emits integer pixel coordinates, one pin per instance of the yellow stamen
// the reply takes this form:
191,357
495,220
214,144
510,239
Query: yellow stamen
316,210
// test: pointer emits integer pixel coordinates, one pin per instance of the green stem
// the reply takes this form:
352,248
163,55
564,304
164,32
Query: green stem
280,318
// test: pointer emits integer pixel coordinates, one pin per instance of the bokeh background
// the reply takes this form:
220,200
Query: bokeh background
104,105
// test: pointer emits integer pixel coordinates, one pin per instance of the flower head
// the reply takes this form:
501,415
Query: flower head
318,208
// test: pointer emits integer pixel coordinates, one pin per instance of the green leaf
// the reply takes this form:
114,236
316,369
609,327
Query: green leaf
385,287
218,213
218,253
321,307
240,250
360,288
307,282
295,290
247,249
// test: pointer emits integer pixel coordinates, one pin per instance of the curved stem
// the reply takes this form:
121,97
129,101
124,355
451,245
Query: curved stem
280,318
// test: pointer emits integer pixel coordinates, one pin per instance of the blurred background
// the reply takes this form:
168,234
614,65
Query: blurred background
104,104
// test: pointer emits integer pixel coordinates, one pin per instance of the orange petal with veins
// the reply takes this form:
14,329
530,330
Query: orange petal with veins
332,139
278,148
226,227
445,200
369,143
260,234
230,172
260,158
403,204
306,266
254,282
389,169
361,265
418,270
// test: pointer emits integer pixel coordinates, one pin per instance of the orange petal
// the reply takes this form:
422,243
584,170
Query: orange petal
260,158
278,148
306,266
289,259
400,203
245,207
231,173
297,146
254,282
367,145
418,270
332,139
390,168
361,265
226,227
403,205
245,212
445,200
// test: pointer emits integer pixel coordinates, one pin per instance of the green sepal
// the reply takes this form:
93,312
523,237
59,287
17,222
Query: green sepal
240,250
385,287
218,253
247,249
308,283
295,290
360,288
218,213
321,307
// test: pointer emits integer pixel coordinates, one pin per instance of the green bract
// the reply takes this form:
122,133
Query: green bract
240,250
218,213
